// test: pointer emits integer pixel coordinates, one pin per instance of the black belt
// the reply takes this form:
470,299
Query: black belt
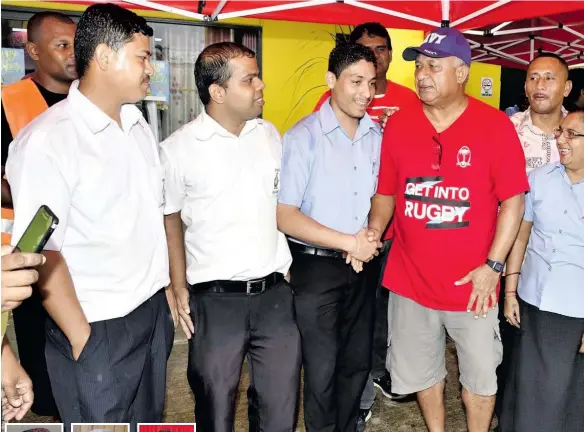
255,286
330,253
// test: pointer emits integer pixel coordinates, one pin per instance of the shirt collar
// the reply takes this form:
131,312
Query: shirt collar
95,119
558,167
526,122
206,127
329,122
555,166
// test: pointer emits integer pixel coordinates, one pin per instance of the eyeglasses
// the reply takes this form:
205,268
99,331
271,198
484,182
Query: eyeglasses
569,134
437,154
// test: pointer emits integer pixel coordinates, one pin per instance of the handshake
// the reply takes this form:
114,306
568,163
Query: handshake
364,247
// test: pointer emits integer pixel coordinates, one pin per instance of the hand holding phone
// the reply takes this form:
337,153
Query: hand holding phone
18,263
18,274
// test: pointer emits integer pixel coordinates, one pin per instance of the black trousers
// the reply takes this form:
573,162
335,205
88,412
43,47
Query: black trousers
335,314
29,326
120,376
545,390
379,352
508,334
229,327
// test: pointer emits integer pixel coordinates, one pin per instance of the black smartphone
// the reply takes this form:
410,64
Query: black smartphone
38,232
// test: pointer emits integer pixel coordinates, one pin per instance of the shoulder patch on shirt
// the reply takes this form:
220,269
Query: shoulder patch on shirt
276,188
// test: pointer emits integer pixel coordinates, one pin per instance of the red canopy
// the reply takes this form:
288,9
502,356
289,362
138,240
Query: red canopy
501,21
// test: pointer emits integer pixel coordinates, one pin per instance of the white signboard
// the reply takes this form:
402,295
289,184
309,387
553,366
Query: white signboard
486,86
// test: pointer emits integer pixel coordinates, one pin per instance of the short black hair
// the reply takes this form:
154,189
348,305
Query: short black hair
370,29
554,56
212,66
344,55
109,24
35,22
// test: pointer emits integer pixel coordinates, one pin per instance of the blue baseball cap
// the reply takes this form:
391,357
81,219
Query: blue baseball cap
441,42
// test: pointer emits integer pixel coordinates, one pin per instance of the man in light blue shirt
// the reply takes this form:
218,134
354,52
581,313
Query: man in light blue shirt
329,173
548,364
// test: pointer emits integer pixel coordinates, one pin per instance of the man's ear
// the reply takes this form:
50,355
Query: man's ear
217,93
32,51
103,56
567,88
462,73
331,80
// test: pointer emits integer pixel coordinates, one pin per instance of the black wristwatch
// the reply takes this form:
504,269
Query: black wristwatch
497,266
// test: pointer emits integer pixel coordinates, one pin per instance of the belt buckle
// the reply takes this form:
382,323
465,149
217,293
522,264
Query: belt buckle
250,286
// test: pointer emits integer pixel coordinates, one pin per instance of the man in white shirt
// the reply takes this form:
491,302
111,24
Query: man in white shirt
93,160
222,181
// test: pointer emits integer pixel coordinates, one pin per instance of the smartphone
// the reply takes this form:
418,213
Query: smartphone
38,232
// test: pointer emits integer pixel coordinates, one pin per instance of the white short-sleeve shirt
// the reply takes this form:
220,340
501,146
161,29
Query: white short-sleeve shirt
105,184
226,188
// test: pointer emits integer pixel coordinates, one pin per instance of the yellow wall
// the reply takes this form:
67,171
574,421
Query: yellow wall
295,59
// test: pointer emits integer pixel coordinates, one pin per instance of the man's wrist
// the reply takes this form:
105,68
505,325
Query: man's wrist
350,243
80,337
495,265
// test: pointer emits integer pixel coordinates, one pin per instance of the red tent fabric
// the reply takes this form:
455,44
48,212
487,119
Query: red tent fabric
470,15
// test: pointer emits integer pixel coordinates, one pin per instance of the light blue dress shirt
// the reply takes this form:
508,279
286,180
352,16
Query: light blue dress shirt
552,277
326,174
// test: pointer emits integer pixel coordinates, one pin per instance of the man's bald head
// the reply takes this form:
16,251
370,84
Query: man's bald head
33,29
50,45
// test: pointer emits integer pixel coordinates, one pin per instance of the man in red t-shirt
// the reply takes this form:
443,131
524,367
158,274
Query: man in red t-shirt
388,94
442,177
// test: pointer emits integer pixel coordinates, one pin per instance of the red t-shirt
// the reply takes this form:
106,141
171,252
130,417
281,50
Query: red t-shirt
445,219
396,95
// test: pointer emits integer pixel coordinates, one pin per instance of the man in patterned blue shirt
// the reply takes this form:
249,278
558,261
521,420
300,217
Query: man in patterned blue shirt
329,173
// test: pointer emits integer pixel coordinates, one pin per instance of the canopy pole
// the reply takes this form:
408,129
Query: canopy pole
277,8
531,47
500,26
571,30
390,12
480,12
445,13
568,44
164,8
501,53
218,10
524,30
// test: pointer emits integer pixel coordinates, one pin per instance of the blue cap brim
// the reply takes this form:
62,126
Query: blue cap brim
411,53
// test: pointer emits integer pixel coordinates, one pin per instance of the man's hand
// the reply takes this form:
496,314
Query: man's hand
80,341
387,113
582,346
17,394
512,311
184,310
18,276
355,263
484,289
364,250
171,299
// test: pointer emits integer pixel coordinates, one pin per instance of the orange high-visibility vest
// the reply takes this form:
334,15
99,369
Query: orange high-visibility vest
23,102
